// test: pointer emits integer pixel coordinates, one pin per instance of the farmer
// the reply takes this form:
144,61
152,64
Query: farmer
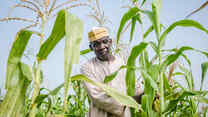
97,69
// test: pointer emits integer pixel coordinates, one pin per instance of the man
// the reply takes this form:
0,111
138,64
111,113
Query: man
97,69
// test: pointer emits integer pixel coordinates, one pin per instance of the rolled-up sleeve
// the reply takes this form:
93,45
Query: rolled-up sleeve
98,96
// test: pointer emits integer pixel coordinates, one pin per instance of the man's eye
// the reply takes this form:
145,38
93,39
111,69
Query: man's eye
105,41
95,44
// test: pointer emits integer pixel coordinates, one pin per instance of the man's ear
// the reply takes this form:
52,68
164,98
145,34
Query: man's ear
91,48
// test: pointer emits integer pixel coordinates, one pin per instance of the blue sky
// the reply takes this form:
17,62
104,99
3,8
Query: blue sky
53,67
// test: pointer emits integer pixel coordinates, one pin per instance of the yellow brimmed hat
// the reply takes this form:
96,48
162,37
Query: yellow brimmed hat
97,33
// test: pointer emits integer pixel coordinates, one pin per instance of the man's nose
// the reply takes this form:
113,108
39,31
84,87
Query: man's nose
102,46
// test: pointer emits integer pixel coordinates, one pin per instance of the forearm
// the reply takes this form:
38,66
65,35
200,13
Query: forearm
103,101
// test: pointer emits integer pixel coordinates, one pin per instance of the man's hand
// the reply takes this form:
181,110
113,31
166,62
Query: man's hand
138,98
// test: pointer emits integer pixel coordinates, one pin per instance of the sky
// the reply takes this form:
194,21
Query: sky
53,67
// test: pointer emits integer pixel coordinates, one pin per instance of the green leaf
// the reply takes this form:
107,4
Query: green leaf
174,103
143,2
133,24
39,99
13,104
156,7
127,16
154,46
83,52
187,59
123,99
113,75
166,83
135,1
149,30
74,31
130,73
152,82
173,57
183,23
15,55
204,67
188,77
57,34
202,99
205,111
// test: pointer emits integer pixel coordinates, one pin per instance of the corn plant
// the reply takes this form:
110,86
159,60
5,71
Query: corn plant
163,94
20,75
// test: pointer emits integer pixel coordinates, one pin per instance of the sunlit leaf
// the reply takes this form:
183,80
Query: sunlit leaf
182,23
149,30
13,104
113,75
166,83
133,24
74,31
123,99
127,16
204,67
173,57
173,103
83,52
187,59
152,82
143,2
156,7
57,34
15,55
42,97
130,73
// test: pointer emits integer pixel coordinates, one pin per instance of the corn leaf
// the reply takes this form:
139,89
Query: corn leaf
202,99
173,57
183,23
41,97
133,24
149,30
13,104
143,2
172,105
123,99
74,31
204,67
83,52
127,16
156,7
15,55
130,73
113,75
57,34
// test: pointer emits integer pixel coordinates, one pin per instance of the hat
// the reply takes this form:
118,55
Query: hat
97,33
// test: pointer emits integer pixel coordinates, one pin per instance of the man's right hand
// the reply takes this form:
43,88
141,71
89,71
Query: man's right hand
138,98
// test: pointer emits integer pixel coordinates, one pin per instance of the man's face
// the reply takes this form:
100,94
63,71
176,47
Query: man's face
101,47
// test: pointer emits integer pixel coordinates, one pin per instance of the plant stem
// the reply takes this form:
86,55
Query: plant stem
37,76
162,102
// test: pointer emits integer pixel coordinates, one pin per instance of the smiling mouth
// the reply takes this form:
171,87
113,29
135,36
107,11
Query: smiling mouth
103,52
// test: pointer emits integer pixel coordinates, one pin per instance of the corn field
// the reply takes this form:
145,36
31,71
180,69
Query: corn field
151,60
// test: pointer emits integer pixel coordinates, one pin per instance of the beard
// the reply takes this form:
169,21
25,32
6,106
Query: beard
104,54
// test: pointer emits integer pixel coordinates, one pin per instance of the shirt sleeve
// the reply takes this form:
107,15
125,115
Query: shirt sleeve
99,97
